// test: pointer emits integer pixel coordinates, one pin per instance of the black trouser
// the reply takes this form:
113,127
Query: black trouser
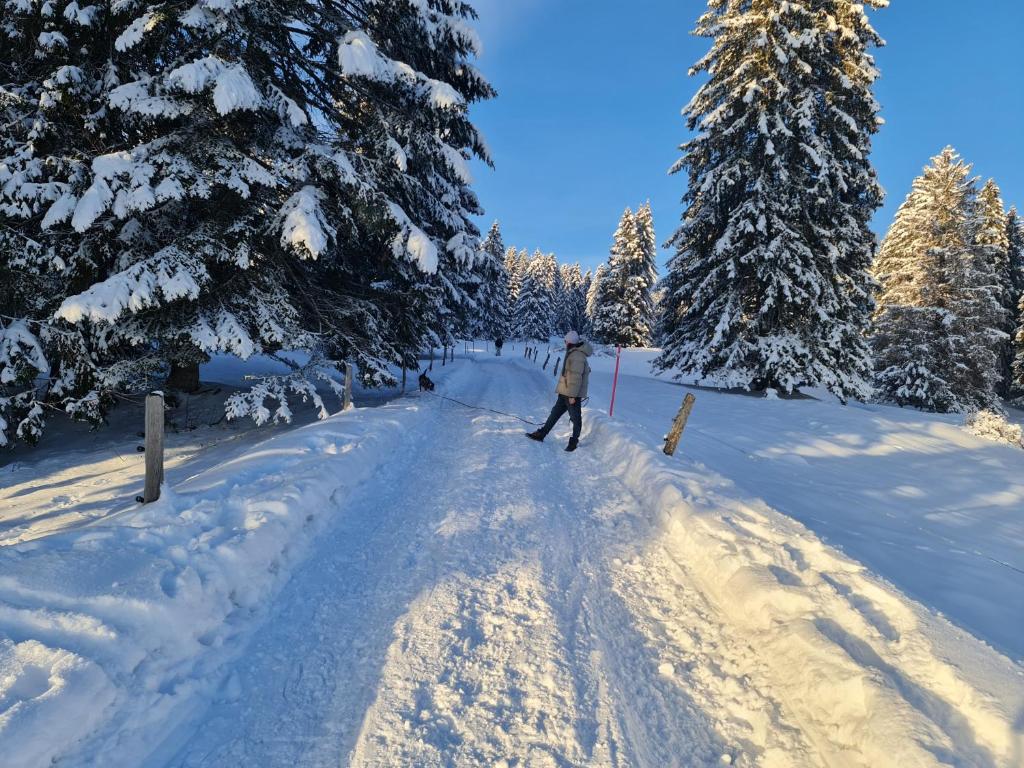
575,414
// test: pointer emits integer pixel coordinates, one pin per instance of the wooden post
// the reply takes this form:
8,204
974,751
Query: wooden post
615,380
672,440
348,386
154,447
558,361
546,361
403,379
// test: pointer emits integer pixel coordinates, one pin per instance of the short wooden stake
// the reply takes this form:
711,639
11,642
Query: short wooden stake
348,386
403,380
546,361
154,447
673,438
558,362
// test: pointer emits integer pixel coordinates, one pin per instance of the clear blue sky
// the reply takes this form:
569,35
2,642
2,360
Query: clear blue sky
587,120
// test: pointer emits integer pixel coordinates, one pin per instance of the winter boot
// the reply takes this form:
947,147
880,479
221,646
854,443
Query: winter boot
538,436
573,445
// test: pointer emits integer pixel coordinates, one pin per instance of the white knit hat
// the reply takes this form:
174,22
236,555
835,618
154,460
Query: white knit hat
572,338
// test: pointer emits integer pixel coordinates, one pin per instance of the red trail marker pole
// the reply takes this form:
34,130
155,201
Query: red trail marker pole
615,381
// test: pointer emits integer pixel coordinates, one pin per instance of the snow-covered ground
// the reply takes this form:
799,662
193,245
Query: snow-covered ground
914,496
417,585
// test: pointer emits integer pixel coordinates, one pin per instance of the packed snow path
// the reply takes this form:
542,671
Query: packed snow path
487,601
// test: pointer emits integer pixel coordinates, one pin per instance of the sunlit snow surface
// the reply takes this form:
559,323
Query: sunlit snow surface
417,584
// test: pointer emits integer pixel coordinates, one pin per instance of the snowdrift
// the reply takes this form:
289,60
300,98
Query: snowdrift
877,678
107,633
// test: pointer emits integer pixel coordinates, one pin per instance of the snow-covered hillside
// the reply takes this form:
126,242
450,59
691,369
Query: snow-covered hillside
416,584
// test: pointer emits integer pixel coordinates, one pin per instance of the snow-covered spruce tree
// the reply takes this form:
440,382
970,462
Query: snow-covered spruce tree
233,177
514,284
992,236
1017,388
550,281
492,297
584,292
572,304
639,273
936,331
1015,258
593,296
1015,251
614,319
533,308
661,320
769,284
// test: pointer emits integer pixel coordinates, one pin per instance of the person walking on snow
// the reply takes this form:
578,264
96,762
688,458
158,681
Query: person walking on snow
498,344
571,389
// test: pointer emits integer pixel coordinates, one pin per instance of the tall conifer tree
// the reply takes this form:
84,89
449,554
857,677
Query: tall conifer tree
937,329
769,283
1015,258
533,308
608,319
993,236
492,299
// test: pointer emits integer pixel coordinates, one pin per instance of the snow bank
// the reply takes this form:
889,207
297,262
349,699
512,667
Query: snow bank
912,496
109,632
852,658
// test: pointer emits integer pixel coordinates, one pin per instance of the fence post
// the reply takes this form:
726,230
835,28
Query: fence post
615,381
673,437
347,402
403,379
546,361
154,447
558,361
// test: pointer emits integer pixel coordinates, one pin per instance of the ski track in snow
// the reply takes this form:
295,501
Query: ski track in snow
491,602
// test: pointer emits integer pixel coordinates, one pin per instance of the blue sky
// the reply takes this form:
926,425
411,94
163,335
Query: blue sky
590,92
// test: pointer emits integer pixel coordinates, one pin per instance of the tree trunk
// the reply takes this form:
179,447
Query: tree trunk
184,377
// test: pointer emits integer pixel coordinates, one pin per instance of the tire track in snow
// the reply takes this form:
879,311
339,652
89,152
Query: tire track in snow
512,651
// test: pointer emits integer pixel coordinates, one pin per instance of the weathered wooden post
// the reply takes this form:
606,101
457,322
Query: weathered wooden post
348,387
673,437
403,379
558,362
546,361
154,447
615,380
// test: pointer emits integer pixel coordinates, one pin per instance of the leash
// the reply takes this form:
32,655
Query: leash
480,408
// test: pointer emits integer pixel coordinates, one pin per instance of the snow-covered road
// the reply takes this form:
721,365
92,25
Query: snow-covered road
486,601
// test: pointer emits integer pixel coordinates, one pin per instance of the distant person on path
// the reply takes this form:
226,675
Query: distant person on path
571,389
498,344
